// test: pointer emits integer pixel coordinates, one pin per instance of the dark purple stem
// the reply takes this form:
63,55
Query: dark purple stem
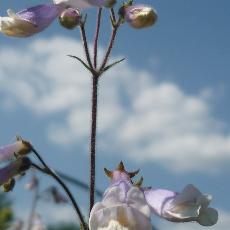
96,37
110,46
85,44
93,139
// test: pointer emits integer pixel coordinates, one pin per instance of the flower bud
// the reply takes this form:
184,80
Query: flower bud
70,18
139,16
8,187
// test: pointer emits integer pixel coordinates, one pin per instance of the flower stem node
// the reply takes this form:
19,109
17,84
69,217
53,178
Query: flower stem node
138,16
70,18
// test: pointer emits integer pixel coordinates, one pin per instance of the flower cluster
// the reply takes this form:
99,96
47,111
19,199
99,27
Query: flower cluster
35,19
127,205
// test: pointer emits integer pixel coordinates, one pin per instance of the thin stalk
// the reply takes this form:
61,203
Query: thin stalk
85,44
33,207
50,172
78,183
96,37
110,47
93,139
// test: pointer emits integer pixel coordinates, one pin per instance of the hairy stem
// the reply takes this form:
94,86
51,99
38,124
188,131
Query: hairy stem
85,45
93,139
110,47
50,172
96,37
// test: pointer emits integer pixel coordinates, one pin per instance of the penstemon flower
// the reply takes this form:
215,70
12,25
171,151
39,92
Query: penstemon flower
13,169
29,21
19,148
128,206
86,3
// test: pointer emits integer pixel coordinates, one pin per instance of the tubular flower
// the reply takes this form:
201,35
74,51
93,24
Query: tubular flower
86,3
139,16
127,206
19,148
13,169
29,21
189,205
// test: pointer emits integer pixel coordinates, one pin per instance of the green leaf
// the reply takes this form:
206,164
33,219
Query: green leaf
113,64
81,61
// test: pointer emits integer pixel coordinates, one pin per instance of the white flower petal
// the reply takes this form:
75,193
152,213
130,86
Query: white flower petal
136,199
126,216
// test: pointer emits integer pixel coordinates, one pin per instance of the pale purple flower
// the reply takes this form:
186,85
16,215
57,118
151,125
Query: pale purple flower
189,205
13,169
139,16
29,21
19,148
85,3
128,206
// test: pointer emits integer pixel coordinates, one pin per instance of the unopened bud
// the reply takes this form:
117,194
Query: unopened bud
8,187
139,16
70,18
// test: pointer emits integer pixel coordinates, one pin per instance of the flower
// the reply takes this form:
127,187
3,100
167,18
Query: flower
139,16
126,205
85,3
29,21
189,205
19,148
13,169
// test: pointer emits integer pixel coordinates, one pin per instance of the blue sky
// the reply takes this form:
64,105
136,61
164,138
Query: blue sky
169,102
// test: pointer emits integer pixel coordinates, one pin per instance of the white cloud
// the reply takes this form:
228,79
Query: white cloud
148,120
222,224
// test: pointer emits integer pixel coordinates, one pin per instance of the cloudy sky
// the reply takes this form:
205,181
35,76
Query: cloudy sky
165,110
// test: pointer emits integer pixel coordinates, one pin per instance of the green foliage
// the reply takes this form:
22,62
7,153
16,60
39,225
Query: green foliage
6,213
63,226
